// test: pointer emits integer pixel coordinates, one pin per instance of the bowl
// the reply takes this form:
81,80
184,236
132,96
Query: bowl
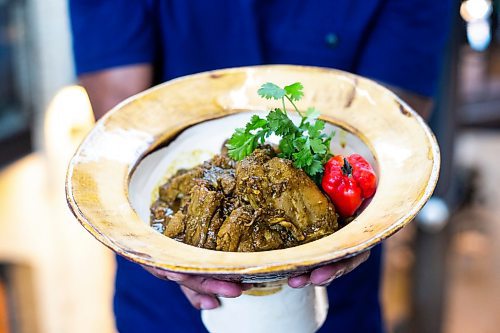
112,177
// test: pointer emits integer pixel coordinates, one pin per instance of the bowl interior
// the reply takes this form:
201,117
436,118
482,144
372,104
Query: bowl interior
202,141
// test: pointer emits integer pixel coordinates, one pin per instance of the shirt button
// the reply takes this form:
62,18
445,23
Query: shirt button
331,40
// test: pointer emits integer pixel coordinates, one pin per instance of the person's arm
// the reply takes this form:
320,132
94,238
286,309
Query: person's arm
109,87
113,48
421,104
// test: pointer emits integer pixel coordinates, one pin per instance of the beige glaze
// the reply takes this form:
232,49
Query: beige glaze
98,177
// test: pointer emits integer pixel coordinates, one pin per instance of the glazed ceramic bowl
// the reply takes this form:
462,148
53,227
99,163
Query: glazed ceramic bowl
112,177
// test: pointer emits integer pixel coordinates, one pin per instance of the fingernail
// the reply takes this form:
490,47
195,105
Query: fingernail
301,285
228,293
329,280
208,304
299,281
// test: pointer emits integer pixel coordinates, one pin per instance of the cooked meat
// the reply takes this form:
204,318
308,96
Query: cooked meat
175,226
213,229
235,226
200,212
260,203
245,231
308,209
179,186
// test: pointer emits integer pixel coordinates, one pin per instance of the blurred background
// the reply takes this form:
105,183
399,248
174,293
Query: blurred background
441,274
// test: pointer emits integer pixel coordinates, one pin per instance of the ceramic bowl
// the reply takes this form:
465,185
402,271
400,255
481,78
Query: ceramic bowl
112,177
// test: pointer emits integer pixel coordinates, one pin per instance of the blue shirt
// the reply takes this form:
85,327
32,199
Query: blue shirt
398,42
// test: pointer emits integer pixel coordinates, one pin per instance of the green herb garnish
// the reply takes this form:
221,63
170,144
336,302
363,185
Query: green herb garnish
306,145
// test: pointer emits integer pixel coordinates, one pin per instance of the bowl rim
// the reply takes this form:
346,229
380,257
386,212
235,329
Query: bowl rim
75,203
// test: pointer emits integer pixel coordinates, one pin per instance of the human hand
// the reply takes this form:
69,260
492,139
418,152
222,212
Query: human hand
201,291
324,275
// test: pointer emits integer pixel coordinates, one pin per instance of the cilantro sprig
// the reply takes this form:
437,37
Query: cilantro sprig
306,144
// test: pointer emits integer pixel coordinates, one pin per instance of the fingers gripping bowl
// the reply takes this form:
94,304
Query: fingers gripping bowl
184,121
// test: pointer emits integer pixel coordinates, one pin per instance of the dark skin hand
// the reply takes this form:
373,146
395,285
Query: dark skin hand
202,292
109,87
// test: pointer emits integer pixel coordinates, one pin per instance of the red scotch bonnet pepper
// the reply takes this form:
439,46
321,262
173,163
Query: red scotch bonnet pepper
348,181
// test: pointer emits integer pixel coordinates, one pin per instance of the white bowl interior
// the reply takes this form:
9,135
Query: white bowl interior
199,143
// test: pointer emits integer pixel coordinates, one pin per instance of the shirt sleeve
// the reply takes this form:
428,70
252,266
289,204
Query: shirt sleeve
405,44
111,33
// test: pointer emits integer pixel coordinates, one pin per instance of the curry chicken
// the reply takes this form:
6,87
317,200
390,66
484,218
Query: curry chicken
259,203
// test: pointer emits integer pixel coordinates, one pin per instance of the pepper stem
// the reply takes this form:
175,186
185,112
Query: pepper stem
346,168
